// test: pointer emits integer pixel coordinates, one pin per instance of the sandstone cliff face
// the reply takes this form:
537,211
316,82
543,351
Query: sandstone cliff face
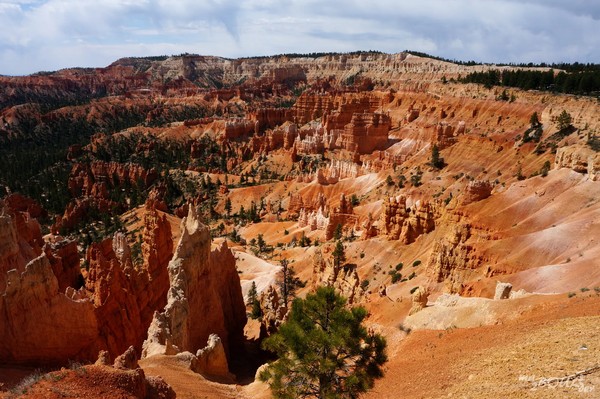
204,298
366,133
579,158
96,178
65,261
398,222
324,219
477,190
9,247
157,251
114,301
343,278
452,259
419,300
33,311
273,311
108,309
20,237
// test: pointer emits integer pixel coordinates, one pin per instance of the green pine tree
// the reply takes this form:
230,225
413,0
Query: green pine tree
339,255
324,350
289,283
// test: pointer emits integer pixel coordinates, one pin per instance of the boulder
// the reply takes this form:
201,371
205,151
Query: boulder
502,290
419,300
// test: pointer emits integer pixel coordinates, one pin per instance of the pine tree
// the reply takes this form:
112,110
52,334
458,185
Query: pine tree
436,161
564,120
252,294
339,255
289,282
324,350
534,120
256,311
337,234
260,243
228,206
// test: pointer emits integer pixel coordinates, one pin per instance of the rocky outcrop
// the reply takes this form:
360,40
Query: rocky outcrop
33,310
266,118
204,298
273,311
446,135
10,256
157,251
96,178
212,359
579,158
316,220
109,307
20,203
365,133
111,291
412,114
209,361
503,290
452,259
20,237
77,211
368,229
127,361
344,278
65,261
297,203
477,190
341,216
399,222
419,300
90,184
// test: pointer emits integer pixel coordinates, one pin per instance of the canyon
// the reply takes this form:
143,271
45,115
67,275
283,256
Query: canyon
143,202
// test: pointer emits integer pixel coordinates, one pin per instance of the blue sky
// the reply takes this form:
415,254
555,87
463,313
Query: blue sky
38,35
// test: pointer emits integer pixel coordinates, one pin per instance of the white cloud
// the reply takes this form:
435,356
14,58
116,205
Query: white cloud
52,34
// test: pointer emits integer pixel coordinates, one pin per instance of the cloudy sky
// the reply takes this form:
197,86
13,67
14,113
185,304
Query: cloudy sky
40,35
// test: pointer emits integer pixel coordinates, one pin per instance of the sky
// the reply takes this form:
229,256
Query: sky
46,35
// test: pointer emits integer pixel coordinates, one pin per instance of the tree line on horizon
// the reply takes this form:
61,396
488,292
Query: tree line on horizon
581,81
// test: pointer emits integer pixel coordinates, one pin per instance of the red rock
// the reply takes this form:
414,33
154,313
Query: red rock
477,190
273,311
398,222
204,298
20,203
343,278
65,261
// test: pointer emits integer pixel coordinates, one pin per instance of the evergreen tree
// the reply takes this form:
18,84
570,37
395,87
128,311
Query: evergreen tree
324,350
289,283
534,120
252,294
337,234
260,243
564,120
339,255
253,301
228,206
436,161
